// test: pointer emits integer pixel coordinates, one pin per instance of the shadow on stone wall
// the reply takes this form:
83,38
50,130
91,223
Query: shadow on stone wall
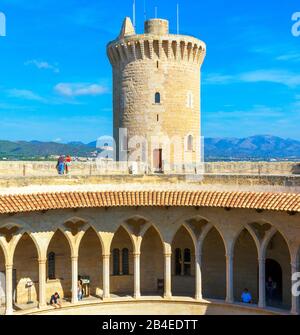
296,169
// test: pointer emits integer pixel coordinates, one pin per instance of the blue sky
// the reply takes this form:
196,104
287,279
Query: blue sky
55,78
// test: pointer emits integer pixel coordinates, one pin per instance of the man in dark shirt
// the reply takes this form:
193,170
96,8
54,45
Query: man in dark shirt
55,300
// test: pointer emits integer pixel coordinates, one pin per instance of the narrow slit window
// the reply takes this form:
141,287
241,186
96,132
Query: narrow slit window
51,265
125,261
116,262
178,262
157,98
187,262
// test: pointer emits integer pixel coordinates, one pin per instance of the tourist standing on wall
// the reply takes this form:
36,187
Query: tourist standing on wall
68,161
60,165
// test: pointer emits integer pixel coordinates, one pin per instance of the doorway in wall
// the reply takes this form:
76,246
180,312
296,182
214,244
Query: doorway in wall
157,161
273,270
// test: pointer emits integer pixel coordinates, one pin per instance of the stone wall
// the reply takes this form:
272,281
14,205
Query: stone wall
47,169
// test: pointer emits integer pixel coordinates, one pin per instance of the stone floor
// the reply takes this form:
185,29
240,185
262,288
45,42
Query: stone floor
146,305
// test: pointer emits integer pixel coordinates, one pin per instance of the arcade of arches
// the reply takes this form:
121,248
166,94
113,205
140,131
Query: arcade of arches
211,255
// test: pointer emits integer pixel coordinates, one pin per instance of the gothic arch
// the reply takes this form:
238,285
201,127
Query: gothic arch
245,265
122,283
90,263
25,262
214,265
278,267
183,262
152,272
61,245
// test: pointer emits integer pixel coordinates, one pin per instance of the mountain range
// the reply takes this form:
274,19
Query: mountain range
260,147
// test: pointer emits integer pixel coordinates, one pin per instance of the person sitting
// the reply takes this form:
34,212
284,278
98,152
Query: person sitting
246,297
55,300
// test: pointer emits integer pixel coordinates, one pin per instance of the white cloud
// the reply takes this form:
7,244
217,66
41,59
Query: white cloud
289,56
43,65
80,89
25,94
271,76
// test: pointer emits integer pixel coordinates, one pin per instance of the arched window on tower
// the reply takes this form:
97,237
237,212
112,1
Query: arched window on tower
51,265
178,262
125,261
190,100
116,262
157,98
190,144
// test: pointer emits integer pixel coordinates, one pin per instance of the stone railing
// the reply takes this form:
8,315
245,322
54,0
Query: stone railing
13,169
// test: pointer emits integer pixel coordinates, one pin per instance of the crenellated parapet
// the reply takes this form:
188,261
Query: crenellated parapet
155,44
142,47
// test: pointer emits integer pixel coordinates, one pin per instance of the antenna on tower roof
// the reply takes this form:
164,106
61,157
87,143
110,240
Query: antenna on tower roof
134,14
178,18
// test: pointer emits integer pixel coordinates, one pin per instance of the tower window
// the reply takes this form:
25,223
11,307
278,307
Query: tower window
190,100
51,265
157,98
190,143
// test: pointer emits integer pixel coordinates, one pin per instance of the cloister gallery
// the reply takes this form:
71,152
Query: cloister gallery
134,251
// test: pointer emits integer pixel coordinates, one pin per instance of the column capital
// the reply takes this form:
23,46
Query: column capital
42,261
262,259
106,255
136,254
8,266
168,254
74,258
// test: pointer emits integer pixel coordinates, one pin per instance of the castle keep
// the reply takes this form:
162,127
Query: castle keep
151,243
156,85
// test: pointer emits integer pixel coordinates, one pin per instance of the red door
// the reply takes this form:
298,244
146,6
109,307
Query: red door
157,160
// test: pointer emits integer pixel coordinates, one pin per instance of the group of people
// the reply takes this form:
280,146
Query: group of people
246,296
270,289
63,164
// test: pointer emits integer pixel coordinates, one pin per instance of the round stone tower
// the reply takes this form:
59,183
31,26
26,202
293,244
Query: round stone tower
156,96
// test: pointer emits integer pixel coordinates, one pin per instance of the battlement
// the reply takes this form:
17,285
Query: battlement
156,43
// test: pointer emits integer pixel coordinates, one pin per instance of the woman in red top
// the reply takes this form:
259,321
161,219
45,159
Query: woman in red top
68,163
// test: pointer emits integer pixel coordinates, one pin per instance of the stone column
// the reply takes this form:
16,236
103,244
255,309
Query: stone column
9,289
106,277
295,300
42,283
198,276
262,282
229,278
137,275
168,275
74,279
